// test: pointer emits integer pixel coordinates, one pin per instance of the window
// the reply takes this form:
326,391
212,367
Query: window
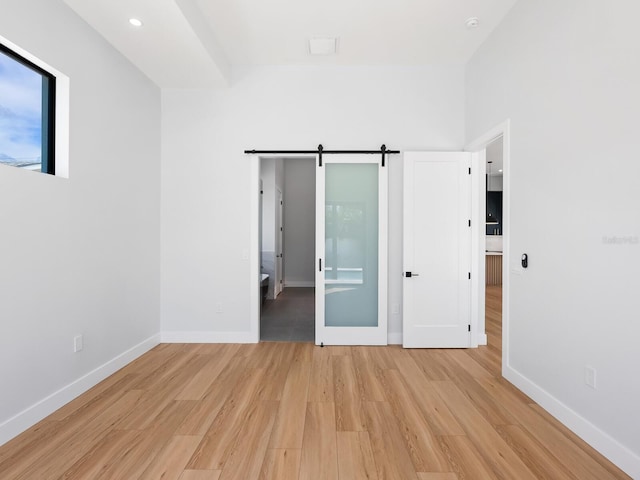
27,113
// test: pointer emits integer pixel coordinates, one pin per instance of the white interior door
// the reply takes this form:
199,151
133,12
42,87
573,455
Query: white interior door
437,250
277,287
351,250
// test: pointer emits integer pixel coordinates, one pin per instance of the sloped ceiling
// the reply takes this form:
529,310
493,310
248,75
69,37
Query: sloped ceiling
195,43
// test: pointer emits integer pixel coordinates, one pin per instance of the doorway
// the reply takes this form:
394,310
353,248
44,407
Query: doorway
278,280
492,303
287,255
494,241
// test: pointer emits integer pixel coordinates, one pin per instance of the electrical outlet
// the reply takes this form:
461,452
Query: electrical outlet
590,376
218,308
77,343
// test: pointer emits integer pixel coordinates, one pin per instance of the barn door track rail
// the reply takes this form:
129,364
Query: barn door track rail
321,151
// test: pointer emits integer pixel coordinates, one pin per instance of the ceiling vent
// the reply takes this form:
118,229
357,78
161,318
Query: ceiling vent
323,46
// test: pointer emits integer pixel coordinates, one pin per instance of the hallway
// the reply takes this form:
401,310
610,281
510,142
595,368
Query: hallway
290,317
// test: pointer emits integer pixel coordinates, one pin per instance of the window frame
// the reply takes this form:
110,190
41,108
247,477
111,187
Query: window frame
48,155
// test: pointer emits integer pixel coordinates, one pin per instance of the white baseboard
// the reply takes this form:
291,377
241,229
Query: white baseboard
208,337
482,339
299,283
394,338
617,453
32,415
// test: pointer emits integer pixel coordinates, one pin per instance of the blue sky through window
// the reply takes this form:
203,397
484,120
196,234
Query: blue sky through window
20,114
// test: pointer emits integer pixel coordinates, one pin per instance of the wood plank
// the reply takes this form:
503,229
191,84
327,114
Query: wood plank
382,357
200,475
108,453
156,399
347,396
246,350
220,438
433,408
321,386
393,462
204,377
489,358
254,438
355,457
156,371
264,354
288,430
171,460
303,352
420,442
465,459
204,413
319,459
281,464
337,350
437,476
369,385
144,449
277,365
503,461
492,411
429,362
216,349
467,363
159,356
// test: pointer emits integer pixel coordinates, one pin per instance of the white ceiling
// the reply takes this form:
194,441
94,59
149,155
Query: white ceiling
193,43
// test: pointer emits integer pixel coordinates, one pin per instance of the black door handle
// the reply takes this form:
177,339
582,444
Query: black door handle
411,274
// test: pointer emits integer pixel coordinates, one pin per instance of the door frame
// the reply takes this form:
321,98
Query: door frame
279,263
478,146
253,254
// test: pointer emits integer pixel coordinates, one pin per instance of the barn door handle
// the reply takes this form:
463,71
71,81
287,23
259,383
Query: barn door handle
411,274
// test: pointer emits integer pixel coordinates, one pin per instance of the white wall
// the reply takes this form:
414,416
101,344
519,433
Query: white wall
272,178
78,255
268,177
205,175
567,75
299,222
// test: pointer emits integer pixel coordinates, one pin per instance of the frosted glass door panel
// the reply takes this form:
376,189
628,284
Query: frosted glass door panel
351,245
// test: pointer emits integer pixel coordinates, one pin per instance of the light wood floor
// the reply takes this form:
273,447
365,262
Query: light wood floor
294,411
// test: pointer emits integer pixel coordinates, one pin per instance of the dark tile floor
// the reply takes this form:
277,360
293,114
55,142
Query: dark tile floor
290,317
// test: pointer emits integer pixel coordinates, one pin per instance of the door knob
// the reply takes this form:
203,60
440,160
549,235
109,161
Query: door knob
411,274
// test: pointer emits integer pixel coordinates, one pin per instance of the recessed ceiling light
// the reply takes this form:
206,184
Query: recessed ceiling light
135,22
472,22
500,171
323,46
